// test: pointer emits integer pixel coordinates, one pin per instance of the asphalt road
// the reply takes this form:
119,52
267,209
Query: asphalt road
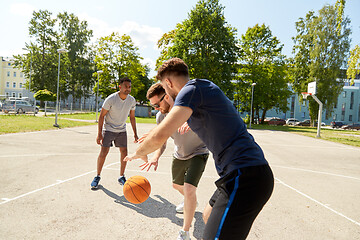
46,192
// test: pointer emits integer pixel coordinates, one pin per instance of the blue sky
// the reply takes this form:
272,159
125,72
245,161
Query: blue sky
146,20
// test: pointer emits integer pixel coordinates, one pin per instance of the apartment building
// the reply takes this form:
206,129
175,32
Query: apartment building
12,80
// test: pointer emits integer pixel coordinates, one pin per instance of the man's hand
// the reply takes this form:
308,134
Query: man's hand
99,139
184,128
134,156
136,138
152,162
140,140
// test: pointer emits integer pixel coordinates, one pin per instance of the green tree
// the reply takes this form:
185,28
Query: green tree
43,49
354,63
118,57
206,43
262,63
75,36
320,54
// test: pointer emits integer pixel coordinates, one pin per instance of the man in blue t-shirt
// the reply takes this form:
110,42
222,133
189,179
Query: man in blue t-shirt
246,180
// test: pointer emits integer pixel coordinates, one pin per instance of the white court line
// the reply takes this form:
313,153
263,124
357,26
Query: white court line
312,171
6,200
316,201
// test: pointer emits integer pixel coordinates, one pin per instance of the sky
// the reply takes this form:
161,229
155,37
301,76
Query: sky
147,20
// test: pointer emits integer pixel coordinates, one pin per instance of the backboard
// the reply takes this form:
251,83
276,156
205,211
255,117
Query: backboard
312,88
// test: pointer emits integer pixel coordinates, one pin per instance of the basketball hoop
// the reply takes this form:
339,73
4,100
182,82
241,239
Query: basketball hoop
305,95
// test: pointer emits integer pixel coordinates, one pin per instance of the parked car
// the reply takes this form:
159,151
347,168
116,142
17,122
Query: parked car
20,106
336,124
292,121
306,122
355,126
277,121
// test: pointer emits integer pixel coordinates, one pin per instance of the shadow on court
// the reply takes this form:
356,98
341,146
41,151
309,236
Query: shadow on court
154,208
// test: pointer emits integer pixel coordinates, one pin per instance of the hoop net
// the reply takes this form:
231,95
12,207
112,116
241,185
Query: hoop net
305,95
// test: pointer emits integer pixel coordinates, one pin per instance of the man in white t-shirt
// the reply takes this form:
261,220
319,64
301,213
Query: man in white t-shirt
112,127
189,158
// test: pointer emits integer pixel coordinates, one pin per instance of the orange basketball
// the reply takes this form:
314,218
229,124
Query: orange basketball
137,189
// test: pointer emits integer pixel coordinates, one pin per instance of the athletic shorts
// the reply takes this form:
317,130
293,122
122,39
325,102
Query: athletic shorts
120,139
239,198
189,171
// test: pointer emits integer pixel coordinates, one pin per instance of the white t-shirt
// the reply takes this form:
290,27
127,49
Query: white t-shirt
187,145
118,111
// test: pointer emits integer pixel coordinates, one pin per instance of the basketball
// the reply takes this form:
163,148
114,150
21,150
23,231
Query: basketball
137,189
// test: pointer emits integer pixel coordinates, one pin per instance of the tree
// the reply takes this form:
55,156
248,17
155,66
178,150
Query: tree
206,43
75,36
118,57
262,63
354,63
44,96
320,54
43,49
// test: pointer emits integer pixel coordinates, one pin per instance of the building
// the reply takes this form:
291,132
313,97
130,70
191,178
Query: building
12,80
346,110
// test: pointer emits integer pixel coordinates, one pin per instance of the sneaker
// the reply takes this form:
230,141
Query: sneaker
122,180
95,182
183,235
180,207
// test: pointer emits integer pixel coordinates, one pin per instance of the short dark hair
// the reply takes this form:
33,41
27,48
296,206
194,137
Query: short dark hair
155,90
124,79
174,66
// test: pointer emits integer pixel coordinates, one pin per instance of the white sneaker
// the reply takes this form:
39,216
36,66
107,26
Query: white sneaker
180,207
183,235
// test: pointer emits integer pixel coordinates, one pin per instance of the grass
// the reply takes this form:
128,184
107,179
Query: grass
29,123
347,137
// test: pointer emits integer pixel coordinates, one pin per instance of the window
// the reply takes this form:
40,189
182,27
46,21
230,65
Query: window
9,64
14,84
20,85
350,118
343,111
7,84
7,94
351,100
14,74
303,114
344,94
21,74
13,94
20,95
8,73
334,117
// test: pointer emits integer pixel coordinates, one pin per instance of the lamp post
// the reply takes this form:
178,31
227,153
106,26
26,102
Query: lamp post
97,94
61,50
251,107
30,77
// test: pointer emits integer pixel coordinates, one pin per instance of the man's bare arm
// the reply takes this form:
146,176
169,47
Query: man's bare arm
133,124
158,136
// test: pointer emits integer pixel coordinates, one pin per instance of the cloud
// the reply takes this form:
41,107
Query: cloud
143,36
22,9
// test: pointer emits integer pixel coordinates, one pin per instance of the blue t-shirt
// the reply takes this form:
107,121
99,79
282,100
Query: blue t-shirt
218,124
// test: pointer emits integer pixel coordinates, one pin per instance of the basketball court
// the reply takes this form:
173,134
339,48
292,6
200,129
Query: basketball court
46,191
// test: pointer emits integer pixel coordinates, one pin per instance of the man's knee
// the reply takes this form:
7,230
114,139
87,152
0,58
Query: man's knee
189,190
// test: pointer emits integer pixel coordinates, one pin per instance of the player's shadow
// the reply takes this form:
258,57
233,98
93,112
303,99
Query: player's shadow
161,208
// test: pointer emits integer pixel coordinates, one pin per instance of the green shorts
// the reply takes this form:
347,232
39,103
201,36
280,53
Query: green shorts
189,171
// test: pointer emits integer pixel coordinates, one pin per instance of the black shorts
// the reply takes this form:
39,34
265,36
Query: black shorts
239,198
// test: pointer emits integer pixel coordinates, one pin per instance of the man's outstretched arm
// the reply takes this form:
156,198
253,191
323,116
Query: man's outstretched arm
158,136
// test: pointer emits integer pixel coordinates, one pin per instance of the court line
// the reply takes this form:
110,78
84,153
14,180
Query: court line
316,201
6,200
312,171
